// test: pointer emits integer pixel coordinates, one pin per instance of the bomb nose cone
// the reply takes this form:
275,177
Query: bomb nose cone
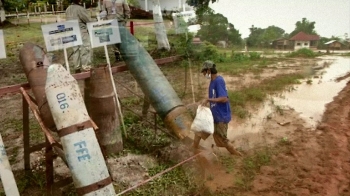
57,73
55,67
64,97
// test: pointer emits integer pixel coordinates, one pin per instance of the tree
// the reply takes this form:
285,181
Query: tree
264,37
233,37
213,28
255,36
271,33
199,3
201,7
306,26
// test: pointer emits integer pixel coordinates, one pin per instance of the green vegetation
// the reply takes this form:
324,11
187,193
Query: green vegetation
303,52
346,54
228,162
251,166
257,93
177,181
142,139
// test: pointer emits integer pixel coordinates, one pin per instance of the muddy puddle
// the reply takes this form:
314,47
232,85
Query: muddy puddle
302,106
309,98
281,115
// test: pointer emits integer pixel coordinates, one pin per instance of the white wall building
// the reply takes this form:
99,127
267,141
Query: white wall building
169,5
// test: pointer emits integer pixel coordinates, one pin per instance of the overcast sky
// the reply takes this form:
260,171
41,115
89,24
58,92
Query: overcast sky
332,17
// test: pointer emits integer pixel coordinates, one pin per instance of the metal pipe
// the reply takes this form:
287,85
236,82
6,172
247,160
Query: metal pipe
35,63
154,84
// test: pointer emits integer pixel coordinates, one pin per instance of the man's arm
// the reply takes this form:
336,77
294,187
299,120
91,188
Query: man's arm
217,100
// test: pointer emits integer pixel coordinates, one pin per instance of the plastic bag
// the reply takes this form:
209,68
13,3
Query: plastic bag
203,122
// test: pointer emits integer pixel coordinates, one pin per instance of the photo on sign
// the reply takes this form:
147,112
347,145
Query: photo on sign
103,34
68,39
55,41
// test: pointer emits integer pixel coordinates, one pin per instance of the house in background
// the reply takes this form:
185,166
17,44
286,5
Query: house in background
168,5
303,40
334,45
281,44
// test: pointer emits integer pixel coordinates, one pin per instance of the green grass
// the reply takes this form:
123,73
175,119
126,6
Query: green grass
228,162
258,93
251,166
345,54
178,180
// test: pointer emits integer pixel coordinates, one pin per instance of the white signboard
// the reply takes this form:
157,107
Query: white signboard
2,45
181,19
103,33
61,35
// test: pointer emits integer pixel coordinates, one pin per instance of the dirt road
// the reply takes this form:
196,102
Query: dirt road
315,161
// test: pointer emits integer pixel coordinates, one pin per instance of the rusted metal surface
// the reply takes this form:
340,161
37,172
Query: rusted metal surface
35,62
95,186
25,116
179,121
120,67
103,110
49,166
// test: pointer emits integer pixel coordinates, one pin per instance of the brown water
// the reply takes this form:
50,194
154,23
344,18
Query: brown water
307,100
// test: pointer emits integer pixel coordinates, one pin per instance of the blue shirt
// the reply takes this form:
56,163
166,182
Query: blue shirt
221,111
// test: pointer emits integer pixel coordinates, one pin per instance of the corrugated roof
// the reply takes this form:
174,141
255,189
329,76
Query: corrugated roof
330,42
301,36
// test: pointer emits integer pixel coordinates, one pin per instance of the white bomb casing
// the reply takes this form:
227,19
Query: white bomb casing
80,145
7,178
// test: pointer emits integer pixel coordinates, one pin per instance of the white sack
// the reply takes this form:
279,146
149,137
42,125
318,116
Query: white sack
204,121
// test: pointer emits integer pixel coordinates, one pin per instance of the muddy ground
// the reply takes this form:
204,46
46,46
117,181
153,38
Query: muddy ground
306,161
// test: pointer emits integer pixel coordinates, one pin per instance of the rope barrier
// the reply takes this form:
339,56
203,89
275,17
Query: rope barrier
159,174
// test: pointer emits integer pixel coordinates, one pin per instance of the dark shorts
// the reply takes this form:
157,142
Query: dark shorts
220,134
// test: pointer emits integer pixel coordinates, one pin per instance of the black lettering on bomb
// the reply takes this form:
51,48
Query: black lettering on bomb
62,101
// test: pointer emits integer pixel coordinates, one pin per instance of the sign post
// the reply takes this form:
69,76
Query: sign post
62,35
6,174
103,33
180,21
2,45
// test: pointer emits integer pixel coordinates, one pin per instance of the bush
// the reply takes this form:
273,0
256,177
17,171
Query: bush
239,57
254,55
209,52
303,52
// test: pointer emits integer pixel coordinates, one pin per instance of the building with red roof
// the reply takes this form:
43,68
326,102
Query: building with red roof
300,40
303,40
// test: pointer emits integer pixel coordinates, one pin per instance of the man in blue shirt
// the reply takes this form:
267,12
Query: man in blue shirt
220,108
